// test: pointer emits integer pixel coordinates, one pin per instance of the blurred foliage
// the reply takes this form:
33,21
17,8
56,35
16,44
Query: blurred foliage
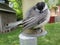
51,3
58,3
17,6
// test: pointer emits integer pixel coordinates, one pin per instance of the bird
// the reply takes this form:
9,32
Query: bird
36,16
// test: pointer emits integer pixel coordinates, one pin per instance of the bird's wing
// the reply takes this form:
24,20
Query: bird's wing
29,23
44,15
33,21
44,20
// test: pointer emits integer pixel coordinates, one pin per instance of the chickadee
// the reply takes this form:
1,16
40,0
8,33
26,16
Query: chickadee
36,17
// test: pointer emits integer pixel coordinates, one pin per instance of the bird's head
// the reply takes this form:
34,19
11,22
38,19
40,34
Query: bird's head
40,6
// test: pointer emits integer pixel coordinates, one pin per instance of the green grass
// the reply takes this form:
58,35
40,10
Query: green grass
52,37
10,38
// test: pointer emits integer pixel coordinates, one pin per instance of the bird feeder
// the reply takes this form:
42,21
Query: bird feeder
7,16
29,37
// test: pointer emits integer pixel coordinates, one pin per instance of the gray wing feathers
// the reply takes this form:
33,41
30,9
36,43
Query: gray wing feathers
31,23
44,18
34,20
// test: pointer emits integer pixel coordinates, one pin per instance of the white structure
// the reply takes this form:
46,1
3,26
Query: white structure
26,39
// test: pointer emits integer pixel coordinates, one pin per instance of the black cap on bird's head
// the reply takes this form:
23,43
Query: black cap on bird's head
40,5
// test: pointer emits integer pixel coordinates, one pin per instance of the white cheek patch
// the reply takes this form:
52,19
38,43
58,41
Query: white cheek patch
37,10
45,7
